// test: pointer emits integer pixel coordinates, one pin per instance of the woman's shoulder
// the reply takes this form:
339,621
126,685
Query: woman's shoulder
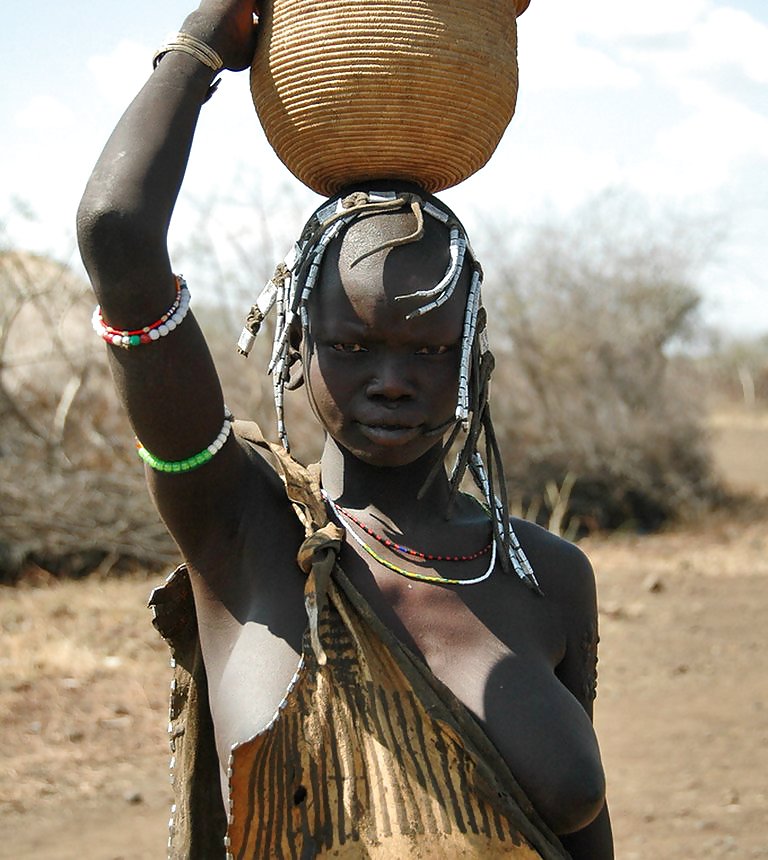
563,570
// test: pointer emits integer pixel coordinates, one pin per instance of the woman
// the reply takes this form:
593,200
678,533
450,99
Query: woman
430,702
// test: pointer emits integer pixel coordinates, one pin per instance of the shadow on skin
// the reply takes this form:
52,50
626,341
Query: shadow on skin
547,739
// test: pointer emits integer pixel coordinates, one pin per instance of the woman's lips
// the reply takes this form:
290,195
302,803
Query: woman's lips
389,434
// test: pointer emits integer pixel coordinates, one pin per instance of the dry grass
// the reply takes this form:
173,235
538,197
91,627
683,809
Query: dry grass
49,630
740,446
82,691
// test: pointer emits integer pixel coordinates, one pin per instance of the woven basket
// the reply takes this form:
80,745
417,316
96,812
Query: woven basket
420,90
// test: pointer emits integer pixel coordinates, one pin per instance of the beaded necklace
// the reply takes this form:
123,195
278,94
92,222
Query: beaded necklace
409,574
405,550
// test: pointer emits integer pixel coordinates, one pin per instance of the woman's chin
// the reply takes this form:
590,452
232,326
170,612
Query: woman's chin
391,447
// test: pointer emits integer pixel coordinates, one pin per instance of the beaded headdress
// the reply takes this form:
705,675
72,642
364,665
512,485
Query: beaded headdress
290,288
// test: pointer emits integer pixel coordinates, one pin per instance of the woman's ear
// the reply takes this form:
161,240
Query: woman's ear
294,357
295,335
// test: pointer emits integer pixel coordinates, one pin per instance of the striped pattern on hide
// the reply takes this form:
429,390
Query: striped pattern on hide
371,756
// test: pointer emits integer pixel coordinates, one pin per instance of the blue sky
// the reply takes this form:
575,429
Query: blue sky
666,99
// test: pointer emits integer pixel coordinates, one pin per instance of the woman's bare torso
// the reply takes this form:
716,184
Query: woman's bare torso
495,645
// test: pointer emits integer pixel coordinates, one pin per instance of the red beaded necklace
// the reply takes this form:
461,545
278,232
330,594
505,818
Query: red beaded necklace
406,550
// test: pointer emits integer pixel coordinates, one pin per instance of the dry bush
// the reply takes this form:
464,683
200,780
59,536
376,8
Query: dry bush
587,315
72,493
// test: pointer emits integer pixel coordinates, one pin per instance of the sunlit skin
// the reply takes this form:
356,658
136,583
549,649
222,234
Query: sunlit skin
382,388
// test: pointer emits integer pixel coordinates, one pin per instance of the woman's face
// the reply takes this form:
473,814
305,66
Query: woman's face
384,387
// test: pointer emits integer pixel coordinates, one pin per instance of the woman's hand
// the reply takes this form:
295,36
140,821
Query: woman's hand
229,27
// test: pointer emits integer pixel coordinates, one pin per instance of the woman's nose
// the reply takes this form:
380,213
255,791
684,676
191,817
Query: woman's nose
390,379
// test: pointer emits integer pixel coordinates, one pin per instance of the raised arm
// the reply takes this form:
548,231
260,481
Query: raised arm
169,385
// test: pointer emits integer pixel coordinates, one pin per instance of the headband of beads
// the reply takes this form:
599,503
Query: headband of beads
159,328
289,289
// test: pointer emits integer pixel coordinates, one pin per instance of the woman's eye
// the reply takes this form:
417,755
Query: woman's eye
348,347
433,350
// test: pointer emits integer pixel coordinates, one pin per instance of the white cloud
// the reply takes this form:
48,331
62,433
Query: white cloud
731,37
44,113
719,127
521,179
569,66
122,72
554,56
602,44
609,20
704,62
618,45
721,42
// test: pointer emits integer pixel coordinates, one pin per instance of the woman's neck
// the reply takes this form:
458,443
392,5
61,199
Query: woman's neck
391,490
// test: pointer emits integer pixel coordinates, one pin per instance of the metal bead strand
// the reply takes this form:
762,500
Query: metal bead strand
467,340
457,258
517,555
438,302
287,299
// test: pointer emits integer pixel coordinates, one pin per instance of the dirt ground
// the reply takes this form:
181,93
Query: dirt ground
682,711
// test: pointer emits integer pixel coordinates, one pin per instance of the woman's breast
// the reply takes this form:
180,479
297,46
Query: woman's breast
538,727
500,663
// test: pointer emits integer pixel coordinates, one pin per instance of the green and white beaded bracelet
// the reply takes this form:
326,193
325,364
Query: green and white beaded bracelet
193,462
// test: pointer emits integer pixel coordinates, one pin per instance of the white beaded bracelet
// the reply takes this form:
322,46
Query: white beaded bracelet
167,323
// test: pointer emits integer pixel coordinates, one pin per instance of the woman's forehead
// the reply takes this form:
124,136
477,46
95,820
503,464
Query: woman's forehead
367,296
370,272
366,234
391,271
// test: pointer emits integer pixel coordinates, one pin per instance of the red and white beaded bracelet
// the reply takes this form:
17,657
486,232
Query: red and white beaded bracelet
160,328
